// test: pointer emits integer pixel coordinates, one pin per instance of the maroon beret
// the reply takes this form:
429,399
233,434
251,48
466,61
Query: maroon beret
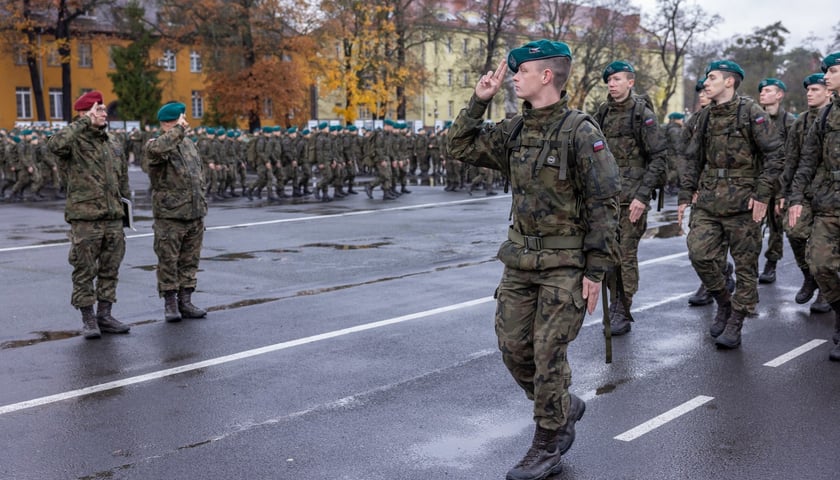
86,101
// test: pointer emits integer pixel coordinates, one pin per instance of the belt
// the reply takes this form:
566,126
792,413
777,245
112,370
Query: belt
730,172
564,242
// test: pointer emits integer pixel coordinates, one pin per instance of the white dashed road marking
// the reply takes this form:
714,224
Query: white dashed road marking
782,359
666,417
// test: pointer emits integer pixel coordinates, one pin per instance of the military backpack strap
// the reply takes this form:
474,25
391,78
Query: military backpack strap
513,142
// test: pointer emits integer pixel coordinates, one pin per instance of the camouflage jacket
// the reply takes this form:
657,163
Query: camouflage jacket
95,169
819,163
177,177
730,161
545,204
793,149
641,166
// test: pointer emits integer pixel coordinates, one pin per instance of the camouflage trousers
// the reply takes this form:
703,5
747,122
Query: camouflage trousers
178,248
96,251
265,178
383,176
709,240
798,235
629,238
775,227
538,313
824,255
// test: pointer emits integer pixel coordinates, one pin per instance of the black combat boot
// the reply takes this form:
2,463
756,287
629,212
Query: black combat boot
834,354
731,336
404,190
700,297
351,191
566,434
90,329
809,286
107,323
542,459
281,191
724,311
338,192
388,195
296,191
170,306
250,193
369,191
185,306
836,307
769,273
244,191
619,323
317,194
820,305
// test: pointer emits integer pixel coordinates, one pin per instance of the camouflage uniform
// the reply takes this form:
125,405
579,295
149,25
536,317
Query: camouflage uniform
540,307
641,167
179,206
675,138
775,225
379,151
96,170
728,174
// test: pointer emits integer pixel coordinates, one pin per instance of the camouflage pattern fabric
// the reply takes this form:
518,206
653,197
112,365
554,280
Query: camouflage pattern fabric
178,248
97,249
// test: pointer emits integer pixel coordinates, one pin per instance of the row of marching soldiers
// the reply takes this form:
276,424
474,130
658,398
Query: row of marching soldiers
26,163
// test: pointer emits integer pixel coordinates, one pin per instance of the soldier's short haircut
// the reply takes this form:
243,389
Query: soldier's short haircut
735,76
560,68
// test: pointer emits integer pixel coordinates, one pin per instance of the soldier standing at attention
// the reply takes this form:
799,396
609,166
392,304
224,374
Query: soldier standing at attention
733,164
771,92
675,137
562,240
178,206
817,96
819,173
640,151
97,176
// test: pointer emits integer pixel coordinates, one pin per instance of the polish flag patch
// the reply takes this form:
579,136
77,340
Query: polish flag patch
759,120
649,121
598,146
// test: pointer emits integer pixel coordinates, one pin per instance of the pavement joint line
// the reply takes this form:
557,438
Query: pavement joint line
802,349
664,418
283,220
14,407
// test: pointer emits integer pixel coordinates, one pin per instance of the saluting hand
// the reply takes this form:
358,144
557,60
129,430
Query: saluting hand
491,82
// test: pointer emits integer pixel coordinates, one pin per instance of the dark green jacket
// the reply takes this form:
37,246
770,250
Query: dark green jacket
96,170
177,177
819,164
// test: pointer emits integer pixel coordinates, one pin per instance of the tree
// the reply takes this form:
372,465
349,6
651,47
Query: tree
794,67
136,81
499,17
759,54
675,26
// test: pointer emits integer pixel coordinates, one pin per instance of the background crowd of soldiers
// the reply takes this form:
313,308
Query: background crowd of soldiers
276,162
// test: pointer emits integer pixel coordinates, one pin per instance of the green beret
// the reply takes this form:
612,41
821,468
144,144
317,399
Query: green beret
278,128
26,132
676,116
220,131
231,134
701,84
334,128
814,79
292,130
830,60
772,81
615,67
536,51
725,66
351,128
323,125
389,122
171,111
15,139
210,131
305,131
267,129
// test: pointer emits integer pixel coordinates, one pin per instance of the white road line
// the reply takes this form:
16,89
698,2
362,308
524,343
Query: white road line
780,360
284,220
234,357
666,417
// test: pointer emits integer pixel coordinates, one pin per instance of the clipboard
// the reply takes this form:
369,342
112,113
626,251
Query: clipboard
128,210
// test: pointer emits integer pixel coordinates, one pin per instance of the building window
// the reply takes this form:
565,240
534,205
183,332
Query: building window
111,64
55,104
268,108
20,55
53,58
449,78
466,78
85,56
448,44
195,62
466,45
451,109
197,104
23,99
168,61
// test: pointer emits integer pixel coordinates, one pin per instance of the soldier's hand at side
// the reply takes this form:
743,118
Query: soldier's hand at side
681,213
637,208
591,291
491,82
759,210
793,214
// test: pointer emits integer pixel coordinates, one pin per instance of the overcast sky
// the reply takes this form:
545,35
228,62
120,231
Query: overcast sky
812,17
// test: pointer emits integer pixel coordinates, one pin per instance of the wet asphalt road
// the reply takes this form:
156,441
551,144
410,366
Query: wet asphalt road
354,340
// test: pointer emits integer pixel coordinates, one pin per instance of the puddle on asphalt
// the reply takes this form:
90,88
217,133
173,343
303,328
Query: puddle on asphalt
242,303
458,450
608,388
148,268
43,336
105,473
231,257
339,246
185,447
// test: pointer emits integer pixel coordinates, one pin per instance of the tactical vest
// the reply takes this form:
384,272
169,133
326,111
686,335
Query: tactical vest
740,129
627,144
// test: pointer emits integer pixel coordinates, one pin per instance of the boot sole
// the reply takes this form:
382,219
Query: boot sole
549,473
114,330
700,303
727,346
